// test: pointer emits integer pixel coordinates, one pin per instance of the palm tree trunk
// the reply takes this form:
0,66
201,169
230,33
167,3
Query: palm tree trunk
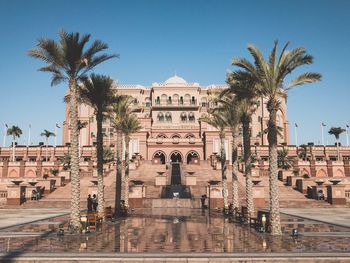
118,179
99,151
75,176
274,195
126,179
13,148
235,197
223,168
248,165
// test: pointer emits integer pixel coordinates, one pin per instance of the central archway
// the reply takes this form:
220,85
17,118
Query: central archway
161,156
176,157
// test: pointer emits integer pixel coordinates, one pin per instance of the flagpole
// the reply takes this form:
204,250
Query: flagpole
55,135
5,132
296,134
322,134
28,142
347,135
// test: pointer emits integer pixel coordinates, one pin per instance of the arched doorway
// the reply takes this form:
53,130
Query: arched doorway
176,157
192,155
161,156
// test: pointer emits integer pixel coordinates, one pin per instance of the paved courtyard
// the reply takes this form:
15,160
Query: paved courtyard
173,233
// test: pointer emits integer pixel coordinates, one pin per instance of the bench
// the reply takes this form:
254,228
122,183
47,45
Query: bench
108,212
93,221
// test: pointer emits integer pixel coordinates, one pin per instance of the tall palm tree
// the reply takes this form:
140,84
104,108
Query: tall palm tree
130,125
217,120
97,91
336,131
246,94
47,134
69,60
121,108
270,77
233,114
15,132
229,108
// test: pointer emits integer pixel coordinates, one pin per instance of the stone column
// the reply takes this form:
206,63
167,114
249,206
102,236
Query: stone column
329,168
346,167
336,194
5,168
39,168
313,168
21,168
16,194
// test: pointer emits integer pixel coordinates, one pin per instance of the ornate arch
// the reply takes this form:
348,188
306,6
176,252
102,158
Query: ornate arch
161,155
339,173
30,173
13,173
176,155
190,155
321,173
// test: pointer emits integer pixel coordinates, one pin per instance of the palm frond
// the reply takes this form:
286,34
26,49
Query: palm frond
308,77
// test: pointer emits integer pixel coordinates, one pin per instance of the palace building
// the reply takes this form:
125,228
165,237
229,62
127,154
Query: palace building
170,115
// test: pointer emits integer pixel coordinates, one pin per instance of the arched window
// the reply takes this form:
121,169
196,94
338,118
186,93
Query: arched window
169,102
168,116
160,116
193,101
191,116
183,116
147,102
161,135
158,101
204,102
181,100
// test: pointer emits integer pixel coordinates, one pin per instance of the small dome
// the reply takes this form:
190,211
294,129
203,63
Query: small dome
175,80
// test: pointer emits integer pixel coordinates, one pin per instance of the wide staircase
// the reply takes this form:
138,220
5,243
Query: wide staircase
176,189
146,172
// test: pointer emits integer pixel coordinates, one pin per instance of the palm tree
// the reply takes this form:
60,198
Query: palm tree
15,132
284,161
47,134
130,125
217,120
336,131
69,60
270,77
121,108
229,108
246,94
97,91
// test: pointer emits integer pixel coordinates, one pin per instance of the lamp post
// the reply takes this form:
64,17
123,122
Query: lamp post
296,134
5,133
347,134
59,127
28,142
322,125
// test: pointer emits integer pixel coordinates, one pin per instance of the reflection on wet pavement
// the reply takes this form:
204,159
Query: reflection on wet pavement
176,230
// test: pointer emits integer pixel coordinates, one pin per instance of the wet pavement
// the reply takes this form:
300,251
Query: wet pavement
174,231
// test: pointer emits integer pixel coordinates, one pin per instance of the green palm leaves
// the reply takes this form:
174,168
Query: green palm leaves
266,78
69,59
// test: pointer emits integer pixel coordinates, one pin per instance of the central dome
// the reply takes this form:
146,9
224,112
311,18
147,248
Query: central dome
175,80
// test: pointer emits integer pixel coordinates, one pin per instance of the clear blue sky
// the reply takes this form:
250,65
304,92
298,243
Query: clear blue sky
197,39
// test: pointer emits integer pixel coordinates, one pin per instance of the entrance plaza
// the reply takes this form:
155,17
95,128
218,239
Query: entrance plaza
179,235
